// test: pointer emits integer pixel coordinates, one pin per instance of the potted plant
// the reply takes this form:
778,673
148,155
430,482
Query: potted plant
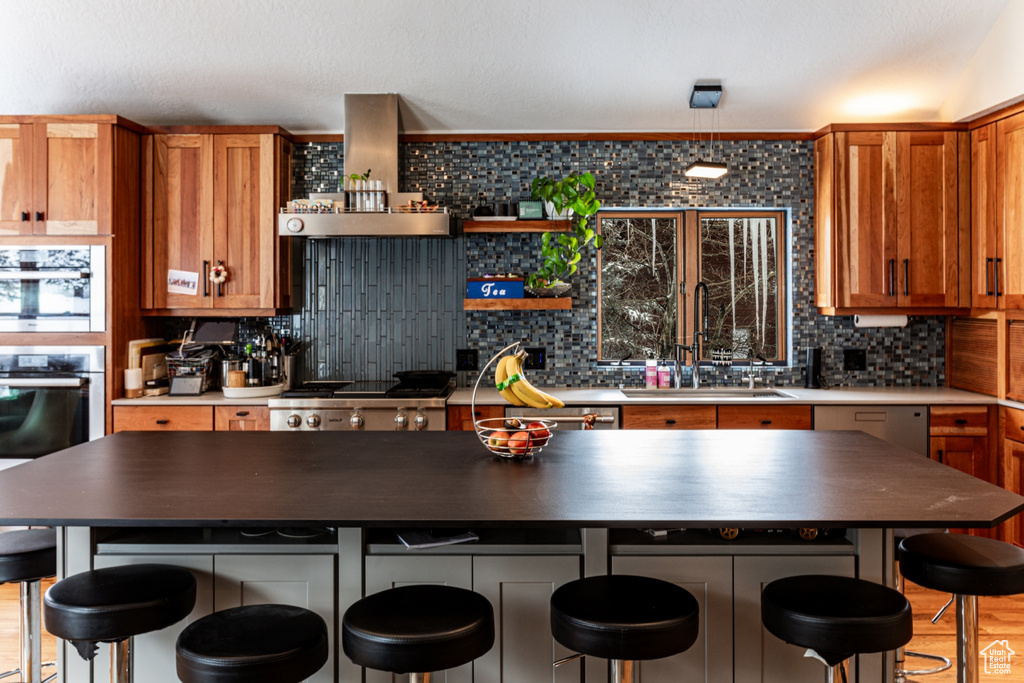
572,196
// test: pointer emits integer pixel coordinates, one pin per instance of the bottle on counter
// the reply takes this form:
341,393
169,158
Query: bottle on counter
664,376
651,374
254,370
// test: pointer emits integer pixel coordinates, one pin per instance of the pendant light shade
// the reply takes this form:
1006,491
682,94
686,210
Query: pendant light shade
706,169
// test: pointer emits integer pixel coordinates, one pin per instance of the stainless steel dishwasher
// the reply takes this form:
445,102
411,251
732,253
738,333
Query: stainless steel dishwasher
608,415
905,426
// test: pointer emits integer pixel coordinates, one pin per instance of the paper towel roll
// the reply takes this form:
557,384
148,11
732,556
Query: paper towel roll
879,321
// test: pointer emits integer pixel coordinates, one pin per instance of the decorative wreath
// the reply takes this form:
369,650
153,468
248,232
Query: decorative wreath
218,274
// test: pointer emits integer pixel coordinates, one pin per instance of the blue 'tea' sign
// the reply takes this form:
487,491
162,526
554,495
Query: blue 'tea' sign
494,289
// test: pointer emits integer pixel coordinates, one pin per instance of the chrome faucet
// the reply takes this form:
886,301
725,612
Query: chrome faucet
699,333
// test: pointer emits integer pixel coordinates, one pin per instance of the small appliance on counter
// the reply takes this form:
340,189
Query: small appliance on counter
813,365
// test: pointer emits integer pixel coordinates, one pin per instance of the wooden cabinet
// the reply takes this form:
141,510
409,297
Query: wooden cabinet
56,178
461,418
215,198
997,214
191,418
764,417
669,417
241,419
163,418
959,437
1011,468
887,222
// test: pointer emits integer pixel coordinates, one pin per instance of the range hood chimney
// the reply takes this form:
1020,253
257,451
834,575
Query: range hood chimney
371,143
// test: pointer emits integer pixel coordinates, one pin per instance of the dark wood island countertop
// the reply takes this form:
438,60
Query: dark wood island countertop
780,479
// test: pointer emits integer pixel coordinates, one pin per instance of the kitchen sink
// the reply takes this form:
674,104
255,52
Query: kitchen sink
710,394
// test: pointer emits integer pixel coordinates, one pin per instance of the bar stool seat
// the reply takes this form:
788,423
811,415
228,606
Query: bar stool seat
253,644
961,564
623,617
836,616
28,555
418,629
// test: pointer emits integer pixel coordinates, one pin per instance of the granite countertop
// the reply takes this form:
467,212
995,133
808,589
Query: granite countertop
701,478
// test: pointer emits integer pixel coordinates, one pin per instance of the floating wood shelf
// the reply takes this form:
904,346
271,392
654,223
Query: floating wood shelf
516,226
562,303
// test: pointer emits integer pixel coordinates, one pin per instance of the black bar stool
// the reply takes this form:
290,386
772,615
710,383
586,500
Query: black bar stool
418,630
966,566
836,616
112,605
26,556
253,644
625,619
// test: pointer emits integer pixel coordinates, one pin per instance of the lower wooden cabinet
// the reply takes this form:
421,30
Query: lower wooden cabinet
519,588
224,581
959,437
461,418
1011,468
764,417
669,417
732,644
191,418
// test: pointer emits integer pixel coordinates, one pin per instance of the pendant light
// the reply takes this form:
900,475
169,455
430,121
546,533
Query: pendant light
705,97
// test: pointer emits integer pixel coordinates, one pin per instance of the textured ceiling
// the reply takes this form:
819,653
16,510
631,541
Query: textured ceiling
489,65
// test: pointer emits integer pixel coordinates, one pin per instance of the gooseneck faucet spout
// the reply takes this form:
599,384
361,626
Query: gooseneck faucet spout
700,306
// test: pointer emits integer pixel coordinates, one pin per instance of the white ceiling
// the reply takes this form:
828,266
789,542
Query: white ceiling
489,65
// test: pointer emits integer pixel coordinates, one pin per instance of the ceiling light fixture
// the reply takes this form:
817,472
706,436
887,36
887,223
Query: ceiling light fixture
705,97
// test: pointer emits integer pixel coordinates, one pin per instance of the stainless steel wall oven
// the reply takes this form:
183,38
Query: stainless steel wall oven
51,288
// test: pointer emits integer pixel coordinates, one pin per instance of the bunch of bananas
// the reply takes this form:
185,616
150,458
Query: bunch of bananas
514,387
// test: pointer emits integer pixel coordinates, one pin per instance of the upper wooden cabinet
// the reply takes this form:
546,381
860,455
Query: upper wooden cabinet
886,220
997,214
56,178
215,199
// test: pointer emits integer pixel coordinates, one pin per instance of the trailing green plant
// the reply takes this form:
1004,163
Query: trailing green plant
561,251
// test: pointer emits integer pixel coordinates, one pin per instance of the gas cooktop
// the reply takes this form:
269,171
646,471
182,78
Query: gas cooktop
379,389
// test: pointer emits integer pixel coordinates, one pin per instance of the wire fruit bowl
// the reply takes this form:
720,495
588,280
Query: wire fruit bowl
512,438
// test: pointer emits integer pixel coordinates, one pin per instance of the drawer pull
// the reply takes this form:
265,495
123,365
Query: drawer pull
162,422
241,413
960,421
672,422
477,413
766,422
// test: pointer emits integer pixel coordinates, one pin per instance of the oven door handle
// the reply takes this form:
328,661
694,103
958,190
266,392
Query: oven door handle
45,382
44,274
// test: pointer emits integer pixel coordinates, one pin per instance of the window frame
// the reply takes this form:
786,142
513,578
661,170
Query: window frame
688,224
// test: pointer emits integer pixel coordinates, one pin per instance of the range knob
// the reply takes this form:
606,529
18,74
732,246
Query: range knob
313,421
420,421
294,421
356,421
401,421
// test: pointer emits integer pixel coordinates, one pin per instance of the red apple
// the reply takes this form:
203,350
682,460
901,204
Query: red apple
540,433
519,443
498,441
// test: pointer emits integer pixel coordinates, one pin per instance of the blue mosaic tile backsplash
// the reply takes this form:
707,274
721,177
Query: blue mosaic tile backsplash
373,306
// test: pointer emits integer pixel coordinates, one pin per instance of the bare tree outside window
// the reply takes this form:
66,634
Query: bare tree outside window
639,286
740,261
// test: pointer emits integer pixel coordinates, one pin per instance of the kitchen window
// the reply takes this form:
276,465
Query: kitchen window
650,263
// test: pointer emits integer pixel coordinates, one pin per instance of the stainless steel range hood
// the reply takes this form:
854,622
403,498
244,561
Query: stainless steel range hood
371,142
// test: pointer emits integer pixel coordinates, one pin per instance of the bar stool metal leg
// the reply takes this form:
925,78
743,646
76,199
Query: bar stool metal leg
967,638
120,656
836,674
420,678
625,671
31,654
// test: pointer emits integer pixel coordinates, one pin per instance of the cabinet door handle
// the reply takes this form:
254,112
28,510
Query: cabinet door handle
39,215
960,421
25,217
241,413
995,270
906,277
892,277
988,285
672,422
220,292
162,422
206,278
766,422
940,455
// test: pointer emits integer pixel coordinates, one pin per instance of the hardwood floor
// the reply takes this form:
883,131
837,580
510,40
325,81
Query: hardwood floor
999,619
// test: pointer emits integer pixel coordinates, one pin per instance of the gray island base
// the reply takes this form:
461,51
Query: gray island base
203,500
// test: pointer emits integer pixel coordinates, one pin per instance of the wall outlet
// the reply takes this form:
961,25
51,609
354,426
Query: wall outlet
536,358
467,359
855,360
